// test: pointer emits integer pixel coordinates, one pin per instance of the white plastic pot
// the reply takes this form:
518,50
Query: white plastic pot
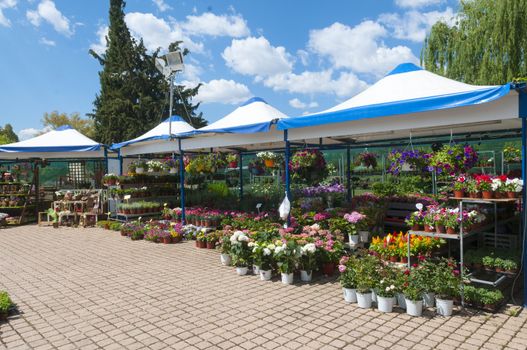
305,276
256,270
384,304
429,299
373,296
225,259
364,300
444,307
242,270
354,240
364,236
414,307
287,278
350,295
401,301
265,275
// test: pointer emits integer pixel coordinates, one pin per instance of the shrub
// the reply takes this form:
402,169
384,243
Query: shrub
5,302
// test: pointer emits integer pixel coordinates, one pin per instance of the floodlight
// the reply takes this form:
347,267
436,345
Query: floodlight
174,61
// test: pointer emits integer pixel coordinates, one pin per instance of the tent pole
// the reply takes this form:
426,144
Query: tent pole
241,178
120,161
523,116
287,175
181,182
106,158
348,173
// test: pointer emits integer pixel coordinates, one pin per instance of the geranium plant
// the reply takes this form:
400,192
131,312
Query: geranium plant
446,279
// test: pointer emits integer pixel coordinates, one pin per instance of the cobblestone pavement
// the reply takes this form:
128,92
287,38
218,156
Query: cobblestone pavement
90,288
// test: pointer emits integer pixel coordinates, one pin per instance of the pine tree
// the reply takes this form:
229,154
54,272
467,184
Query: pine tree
487,45
133,93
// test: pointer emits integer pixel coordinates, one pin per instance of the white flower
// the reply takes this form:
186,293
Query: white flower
315,227
387,289
251,244
266,251
271,246
419,206
392,287
309,248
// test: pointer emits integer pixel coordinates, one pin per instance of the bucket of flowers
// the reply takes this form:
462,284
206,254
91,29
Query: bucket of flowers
386,290
355,222
367,274
225,248
348,278
308,261
446,285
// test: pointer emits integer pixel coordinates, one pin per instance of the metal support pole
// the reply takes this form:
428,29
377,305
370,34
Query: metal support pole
461,254
171,82
287,175
120,161
240,163
181,182
348,174
523,114
106,158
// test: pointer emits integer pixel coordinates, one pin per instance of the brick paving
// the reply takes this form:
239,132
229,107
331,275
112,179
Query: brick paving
93,289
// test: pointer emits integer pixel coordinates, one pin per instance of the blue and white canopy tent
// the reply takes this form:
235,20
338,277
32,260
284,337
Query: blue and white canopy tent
61,143
252,123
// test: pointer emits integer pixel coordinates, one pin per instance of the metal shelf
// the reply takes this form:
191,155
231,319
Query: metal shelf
442,235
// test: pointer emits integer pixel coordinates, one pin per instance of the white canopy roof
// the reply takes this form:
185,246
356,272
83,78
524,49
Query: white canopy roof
63,142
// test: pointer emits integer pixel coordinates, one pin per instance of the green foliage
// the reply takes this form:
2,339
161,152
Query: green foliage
486,46
5,302
399,186
56,119
7,135
133,92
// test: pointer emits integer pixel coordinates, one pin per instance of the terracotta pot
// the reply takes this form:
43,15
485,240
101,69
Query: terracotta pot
393,259
106,226
404,259
459,194
197,244
166,240
428,228
233,164
512,194
211,245
416,227
487,194
203,244
269,163
451,231
473,195
176,239
440,229
123,233
328,269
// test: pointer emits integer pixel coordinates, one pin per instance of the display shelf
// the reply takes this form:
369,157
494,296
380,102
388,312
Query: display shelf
485,201
456,236
127,217
489,278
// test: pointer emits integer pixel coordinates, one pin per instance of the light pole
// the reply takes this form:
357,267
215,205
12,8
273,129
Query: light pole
169,65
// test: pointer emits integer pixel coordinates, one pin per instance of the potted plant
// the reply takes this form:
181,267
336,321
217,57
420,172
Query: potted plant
460,186
355,220
367,159
484,183
453,159
416,219
262,253
225,249
270,159
154,166
256,167
110,179
510,266
137,234
329,252
211,240
386,292
308,261
366,277
52,213
451,221
201,240
165,237
232,160
308,166
446,286
512,154
240,252
287,254
472,188
513,187
429,220
5,305
171,165
348,279
408,160
488,262
140,166
413,297
440,217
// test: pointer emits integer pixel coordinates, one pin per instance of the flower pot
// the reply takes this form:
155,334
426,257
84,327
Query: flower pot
512,195
166,240
404,259
415,227
473,195
393,259
429,228
123,233
173,171
225,259
56,225
328,269
459,194
440,229
373,295
384,304
401,301
444,307
269,163
265,275
350,295
305,276
139,170
414,307
202,244
241,270
364,236
233,164
176,239
429,299
364,300
211,245
487,194
354,240
256,270
451,231
287,278
198,244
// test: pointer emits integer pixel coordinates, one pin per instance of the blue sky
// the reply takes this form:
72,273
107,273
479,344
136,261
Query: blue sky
300,56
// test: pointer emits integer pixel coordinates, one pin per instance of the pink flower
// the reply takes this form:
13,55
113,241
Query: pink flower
342,268
344,260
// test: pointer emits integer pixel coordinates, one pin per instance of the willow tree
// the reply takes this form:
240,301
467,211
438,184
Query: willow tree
487,44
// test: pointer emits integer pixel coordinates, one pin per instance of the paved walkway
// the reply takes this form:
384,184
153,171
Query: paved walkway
90,288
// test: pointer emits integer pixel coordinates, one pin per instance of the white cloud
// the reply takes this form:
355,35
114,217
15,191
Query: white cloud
414,25
214,25
223,91
156,32
28,133
256,56
346,85
304,57
6,4
359,48
47,11
47,42
296,103
100,46
417,3
161,5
